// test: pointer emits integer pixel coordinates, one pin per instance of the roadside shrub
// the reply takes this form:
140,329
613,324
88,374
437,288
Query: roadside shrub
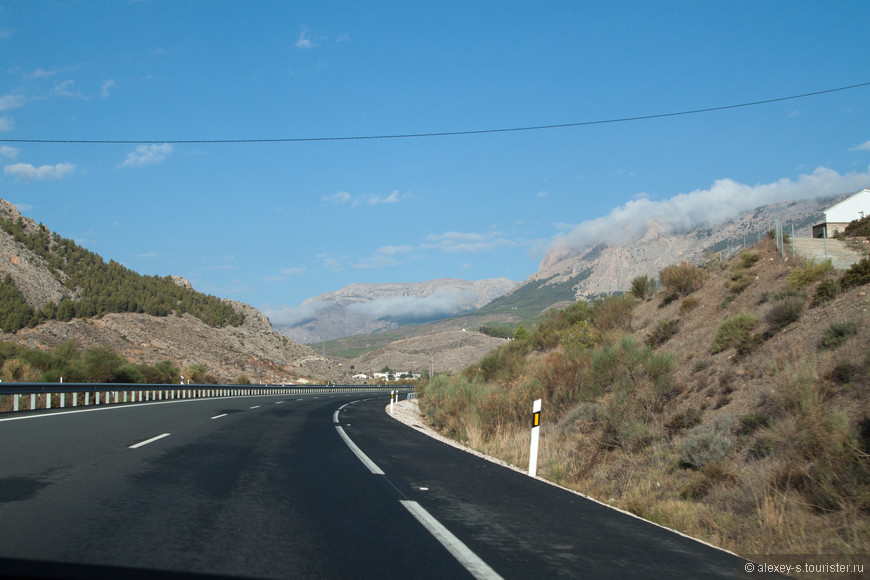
707,443
613,313
734,331
682,421
582,336
682,279
808,273
857,275
688,304
838,333
740,281
784,312
751,422
748,259
663,332
826,291
643,287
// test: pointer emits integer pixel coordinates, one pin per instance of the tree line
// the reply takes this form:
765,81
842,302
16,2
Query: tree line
102,287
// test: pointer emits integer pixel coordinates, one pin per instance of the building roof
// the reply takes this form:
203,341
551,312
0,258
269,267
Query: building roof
865,190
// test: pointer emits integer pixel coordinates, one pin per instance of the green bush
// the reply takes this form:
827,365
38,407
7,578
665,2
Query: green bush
838,333
688,304
808,273
663,332
707,443
748,259
826,291
613,313
643,287
682,421
857,275
859,227
735,331
682,279
784,312
740,281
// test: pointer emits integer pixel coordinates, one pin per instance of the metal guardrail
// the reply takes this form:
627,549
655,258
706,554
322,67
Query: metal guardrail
33,396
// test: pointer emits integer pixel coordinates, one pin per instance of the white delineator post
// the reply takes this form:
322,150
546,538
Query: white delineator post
392,398
536,427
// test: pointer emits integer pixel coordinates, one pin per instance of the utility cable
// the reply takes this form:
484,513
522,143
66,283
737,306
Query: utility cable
437,134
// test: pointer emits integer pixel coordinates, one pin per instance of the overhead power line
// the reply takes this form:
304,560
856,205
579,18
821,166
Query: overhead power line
437,134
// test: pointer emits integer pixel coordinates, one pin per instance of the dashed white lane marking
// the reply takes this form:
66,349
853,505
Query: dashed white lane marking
147,441
255,407
219,416
471,561
279,402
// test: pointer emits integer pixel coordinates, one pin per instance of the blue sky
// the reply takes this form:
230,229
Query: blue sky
272,224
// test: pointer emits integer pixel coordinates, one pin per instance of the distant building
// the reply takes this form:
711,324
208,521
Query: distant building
838,216
361,377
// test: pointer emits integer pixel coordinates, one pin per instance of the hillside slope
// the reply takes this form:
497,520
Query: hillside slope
42,305
737,410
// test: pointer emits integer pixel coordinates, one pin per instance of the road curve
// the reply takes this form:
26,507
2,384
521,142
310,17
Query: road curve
267,487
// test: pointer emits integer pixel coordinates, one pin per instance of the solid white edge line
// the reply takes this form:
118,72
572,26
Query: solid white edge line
471,561
147,441
219,416
358,452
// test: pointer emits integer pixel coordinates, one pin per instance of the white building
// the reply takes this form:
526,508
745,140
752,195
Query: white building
838,216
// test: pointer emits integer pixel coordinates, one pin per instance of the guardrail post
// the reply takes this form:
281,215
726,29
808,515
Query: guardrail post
15,402
87,399
62,400
32,401
75,397
48,400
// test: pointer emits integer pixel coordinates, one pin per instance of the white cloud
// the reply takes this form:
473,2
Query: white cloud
8,102
543,194
343,197
724,200
292,271
304,42
41,74
106,87
467,242
378,200
148,255
865,146
339,198
294,315
9,152
6,123
393,250
147,155
441,301
66,89
27,171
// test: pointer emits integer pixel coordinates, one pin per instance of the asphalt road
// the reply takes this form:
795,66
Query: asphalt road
266,487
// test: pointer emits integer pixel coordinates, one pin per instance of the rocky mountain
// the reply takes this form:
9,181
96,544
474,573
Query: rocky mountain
251,348
369,308
604,268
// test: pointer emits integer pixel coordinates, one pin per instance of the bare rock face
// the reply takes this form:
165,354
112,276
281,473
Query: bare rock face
368,308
